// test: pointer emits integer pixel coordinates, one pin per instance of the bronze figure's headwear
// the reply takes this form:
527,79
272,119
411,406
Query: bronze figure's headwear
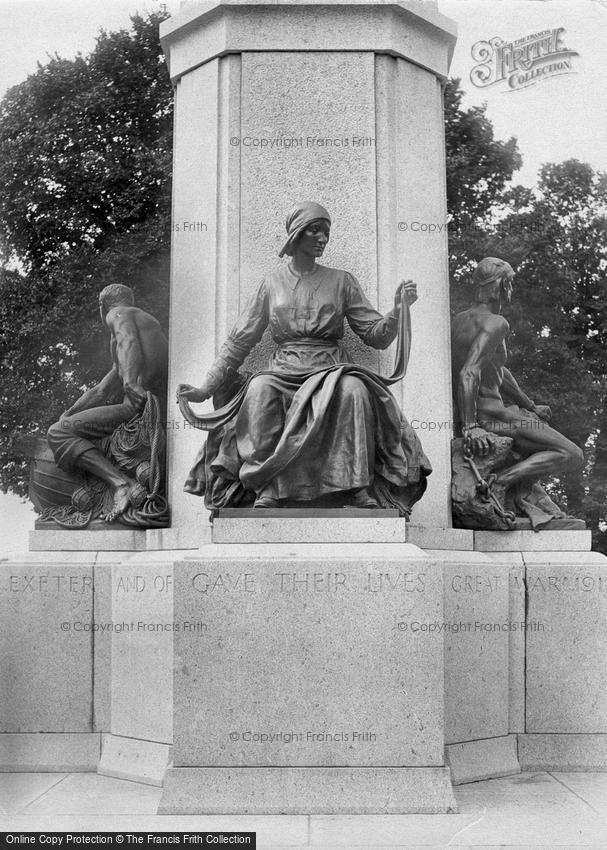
490,270
297,221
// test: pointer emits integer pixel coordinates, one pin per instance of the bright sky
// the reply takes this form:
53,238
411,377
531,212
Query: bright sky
35,28
558,118
553,120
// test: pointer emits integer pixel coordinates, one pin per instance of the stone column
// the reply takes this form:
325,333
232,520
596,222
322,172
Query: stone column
276,103
336,102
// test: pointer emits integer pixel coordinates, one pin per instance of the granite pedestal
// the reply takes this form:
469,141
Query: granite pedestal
355,90
301,665
47,664
566,699
86,662
308,676
525,654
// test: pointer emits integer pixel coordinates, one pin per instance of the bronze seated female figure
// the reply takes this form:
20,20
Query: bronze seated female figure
313,428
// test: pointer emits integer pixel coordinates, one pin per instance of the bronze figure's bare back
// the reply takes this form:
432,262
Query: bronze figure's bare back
489,400
138,347
139,354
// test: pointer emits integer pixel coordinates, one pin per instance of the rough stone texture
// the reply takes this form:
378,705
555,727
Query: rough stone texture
476,647
432,537
469,510
79,543
472,761
517,643
43,559
532,541
411,194
564,559
110,540
46,647
142,649
102,648
192,332
321,530
295,552
178,538
315,96
563,752
137,761
414,31
257,660
307,790
56,753
566,643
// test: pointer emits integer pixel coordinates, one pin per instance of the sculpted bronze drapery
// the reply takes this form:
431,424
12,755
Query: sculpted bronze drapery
109,446
312,427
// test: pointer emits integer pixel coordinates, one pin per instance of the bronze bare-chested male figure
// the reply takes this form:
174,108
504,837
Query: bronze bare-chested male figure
139,354
489,400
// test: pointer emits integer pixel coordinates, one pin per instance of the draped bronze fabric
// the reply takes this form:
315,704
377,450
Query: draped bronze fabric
312,423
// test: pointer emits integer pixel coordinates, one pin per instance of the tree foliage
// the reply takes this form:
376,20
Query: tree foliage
554,236
85,163
478,166
85,153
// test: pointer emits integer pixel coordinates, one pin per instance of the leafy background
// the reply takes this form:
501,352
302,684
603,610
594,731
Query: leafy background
85,163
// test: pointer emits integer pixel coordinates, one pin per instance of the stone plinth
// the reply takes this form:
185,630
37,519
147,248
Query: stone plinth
347,525
308,790
484,634
433,537
491,758
563,752
274,529
532,541
142,649
120,541
49,752
517,641
567,643
134,759
314,653
105,540
46,646
324,671
476,635
87,648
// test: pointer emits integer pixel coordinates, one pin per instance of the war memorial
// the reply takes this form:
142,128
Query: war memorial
298,558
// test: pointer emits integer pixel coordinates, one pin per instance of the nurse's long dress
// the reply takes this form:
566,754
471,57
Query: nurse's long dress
313,423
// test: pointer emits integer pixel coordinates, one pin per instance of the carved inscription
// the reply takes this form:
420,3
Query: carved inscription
293,583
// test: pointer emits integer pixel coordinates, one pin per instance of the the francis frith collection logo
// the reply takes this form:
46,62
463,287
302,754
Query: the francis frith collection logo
523,62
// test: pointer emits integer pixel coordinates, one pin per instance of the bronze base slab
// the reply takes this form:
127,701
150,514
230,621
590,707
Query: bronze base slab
94,525
566,524
306,513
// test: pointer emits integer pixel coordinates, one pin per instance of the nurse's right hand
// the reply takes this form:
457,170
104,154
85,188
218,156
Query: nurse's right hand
190,393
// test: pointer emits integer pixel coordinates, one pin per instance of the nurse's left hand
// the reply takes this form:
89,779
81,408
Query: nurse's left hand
410,290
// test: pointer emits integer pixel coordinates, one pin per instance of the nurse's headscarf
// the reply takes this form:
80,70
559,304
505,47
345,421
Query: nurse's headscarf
298,219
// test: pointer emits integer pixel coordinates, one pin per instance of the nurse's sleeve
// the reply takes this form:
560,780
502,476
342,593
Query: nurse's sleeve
241,340
369,324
